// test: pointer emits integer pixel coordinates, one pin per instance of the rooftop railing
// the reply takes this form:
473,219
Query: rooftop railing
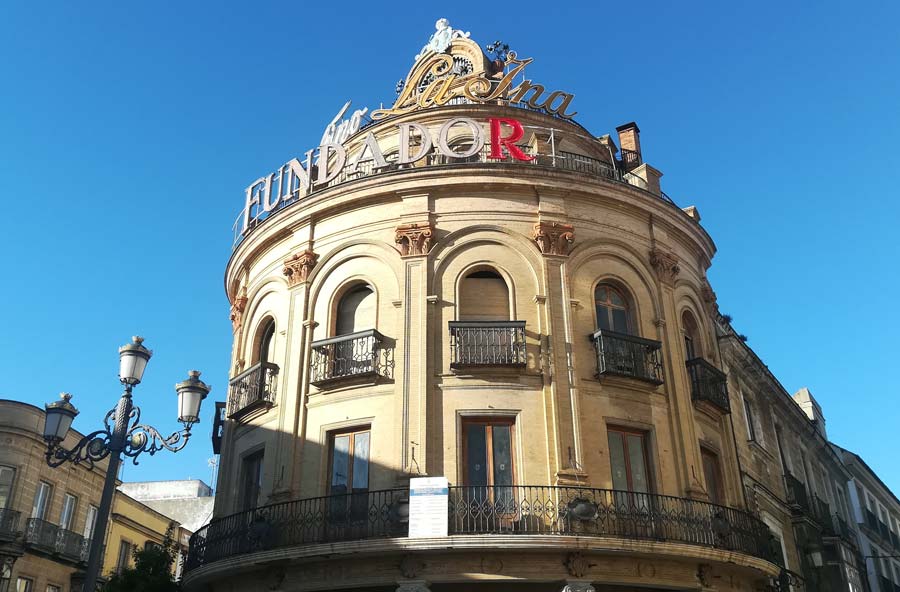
357,355
708,384
252,388
485,510
620,354
487,343
589,167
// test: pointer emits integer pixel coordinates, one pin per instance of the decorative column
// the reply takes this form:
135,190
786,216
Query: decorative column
667,268
555,240
414,238
290,396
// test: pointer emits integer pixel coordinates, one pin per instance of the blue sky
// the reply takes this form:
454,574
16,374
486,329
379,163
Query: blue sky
128,132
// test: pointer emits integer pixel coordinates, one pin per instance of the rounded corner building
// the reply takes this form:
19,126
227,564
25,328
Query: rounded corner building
475,349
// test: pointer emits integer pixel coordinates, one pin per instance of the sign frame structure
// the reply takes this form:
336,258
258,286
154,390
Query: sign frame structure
429,507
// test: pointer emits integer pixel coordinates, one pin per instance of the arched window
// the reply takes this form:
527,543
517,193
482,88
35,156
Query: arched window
483,296
613,313
355,311
266,349
693,348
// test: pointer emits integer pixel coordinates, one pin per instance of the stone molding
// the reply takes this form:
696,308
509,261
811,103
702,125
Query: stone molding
414,239
553,238
666,265
299,266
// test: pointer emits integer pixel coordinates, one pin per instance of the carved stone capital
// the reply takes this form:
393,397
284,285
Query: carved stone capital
708,295
553,238
237,309
666,265
578,586
577,565
299,266
414,239
413,586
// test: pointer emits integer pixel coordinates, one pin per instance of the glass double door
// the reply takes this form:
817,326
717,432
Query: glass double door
488,463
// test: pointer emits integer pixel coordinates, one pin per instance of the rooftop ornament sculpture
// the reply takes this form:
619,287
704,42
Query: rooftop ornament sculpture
440,40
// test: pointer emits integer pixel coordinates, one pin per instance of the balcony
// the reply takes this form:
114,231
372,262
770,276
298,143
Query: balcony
9,524
494,510
361,355
708,384
41,534
487,343
796,493
253,388
619,354
821,511
69,545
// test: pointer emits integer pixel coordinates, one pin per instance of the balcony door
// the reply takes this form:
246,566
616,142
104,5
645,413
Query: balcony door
712,472
488,461
7,476
349,475
41,500
483,296
628,460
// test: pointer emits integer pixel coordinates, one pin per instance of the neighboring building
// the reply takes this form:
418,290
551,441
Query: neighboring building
187,501
503,299
134,525
877,511
47,515
793,478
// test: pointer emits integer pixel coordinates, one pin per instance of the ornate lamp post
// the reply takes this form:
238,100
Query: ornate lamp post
123,433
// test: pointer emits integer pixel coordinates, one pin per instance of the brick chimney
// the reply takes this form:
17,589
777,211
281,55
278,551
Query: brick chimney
630,142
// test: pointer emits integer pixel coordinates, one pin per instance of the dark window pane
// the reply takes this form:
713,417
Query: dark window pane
502,456
340,464
603,318
617,461
620,320
640,479
476,455
361,462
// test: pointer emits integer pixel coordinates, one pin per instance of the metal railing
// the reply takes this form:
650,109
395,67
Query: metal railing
487,343
69,544
9,523
41,534
821,511
628,355
630,158
255,386
708,383
796,492
357,355
353,171
506,510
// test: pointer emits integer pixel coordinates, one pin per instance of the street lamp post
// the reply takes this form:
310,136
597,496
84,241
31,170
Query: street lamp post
123,433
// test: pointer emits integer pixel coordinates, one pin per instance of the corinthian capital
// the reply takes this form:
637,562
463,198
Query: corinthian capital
553,238
299,266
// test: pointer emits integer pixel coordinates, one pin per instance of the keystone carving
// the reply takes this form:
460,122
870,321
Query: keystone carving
666,265
577,565
237,309
553,238
414,239
298,267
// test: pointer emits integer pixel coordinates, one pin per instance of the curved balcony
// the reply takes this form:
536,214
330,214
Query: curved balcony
495,510
364,355
253,388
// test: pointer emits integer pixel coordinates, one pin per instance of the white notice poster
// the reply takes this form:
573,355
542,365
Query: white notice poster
428,507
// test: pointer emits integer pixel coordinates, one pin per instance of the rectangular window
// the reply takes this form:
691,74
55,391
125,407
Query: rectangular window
89,522
24,585
7,476
629,460
748,415
41,500
53,588
251,480
67,514
349,475
713,474
124,557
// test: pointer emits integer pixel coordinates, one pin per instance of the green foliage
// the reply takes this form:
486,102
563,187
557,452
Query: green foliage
152,571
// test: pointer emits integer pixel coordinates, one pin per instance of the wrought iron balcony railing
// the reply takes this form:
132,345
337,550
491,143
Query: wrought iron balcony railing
628,355
487,343
357,355
9,524
708,384
69,544
507,510
840,528
252,388
41,534
821,511
796,493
